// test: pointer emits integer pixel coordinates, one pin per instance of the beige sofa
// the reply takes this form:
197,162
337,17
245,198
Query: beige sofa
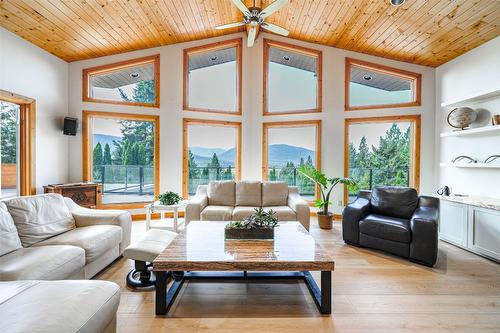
58,306
230,201
48,237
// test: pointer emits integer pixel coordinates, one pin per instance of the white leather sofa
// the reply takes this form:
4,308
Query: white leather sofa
58,306
48,237
230,201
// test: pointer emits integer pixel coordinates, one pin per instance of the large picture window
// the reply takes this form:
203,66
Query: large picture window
212,151
286,146
373,86
292,79
212,77
17,145
382,151
131,82
121,151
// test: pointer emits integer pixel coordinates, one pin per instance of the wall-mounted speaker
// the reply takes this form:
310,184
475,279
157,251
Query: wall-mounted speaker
70,126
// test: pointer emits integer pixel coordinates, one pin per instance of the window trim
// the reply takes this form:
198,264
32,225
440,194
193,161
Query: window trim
87,117
415,143
236,42
415,77
87,72
290,124
268,43
27,144
186,122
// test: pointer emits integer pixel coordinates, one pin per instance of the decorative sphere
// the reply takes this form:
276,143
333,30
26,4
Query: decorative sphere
461,117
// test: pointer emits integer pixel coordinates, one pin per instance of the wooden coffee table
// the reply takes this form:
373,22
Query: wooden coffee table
201,248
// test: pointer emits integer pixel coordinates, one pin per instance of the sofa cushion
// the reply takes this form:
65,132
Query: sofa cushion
249,193
394,201
283,213
95,240
221,193
58,306
240,212
40,217
9,239
150,245
217,213
384,227
42,263
274,193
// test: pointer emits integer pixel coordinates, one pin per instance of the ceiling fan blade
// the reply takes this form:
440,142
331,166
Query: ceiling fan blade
241,6
275,6
251,36
230,25
274,28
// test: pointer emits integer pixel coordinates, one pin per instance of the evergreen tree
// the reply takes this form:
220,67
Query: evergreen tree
272,174
97,155
214,162
144,92
8,133
106,160
117,153
192,166
123,95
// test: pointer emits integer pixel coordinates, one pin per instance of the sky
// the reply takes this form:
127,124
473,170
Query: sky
211,137
304,137
107,126
372,132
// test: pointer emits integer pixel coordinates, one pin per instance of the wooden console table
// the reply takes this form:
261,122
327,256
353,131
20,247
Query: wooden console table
85,194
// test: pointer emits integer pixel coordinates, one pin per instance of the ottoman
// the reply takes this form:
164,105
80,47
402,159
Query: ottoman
143,253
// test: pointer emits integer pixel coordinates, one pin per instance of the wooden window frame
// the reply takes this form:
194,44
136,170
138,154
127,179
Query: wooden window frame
237,42
87,117
186,122
415,143
27,140
415,77
290,124
268,43
87,72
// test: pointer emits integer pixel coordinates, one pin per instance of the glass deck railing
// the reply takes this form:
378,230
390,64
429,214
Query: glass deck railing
128,180
368,178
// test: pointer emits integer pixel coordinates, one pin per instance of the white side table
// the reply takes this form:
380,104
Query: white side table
157,207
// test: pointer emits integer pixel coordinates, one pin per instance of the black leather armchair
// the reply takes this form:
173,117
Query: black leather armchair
395,220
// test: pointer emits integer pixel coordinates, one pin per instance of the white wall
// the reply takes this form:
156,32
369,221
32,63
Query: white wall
27,70
474,73
332,116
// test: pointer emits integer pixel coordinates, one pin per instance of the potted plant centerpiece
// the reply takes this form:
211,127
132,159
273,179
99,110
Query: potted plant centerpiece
259,225
326,186
169,198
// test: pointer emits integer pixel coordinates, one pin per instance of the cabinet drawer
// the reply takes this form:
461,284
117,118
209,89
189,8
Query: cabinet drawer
453,223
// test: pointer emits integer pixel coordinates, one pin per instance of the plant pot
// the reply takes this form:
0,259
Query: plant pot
325,221
243,233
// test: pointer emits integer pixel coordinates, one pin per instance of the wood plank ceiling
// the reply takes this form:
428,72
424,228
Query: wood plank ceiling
426,32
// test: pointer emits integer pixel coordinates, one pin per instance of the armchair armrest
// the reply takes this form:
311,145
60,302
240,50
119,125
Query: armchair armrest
424,229
196,204
85,217
299,206
352,214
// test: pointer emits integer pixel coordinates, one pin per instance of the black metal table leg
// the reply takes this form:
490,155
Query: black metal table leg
161,292
326,292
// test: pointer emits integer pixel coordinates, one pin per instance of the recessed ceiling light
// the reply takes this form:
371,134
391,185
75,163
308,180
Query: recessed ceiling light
397,2
367,77
213,58
287,58
134,75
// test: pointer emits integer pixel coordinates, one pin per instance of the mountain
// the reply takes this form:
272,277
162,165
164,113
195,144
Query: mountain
103,139
206,152
280,154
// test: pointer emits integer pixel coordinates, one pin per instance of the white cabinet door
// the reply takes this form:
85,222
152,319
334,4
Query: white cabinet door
484,231
453,222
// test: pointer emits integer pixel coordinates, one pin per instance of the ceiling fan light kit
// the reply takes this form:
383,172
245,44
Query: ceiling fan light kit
254,18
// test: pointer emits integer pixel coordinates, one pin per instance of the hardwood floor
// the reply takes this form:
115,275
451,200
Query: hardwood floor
373,292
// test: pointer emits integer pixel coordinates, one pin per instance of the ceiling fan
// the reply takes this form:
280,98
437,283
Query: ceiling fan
254,17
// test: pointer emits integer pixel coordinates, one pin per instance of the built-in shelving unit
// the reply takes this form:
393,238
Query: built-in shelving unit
471,165
480,131
471,99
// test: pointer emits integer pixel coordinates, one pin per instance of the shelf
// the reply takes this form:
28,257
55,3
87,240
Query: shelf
471,99
480,131
471,165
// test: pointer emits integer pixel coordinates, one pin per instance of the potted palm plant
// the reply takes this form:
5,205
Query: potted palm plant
325,185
